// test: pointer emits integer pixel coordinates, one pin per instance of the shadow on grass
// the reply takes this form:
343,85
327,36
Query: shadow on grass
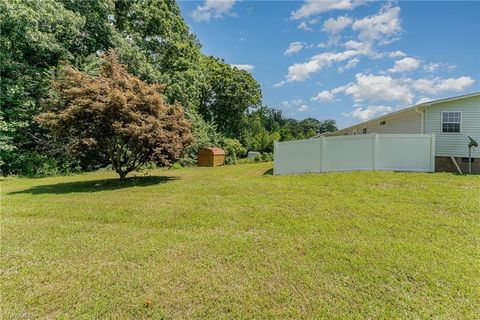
96,185
269,172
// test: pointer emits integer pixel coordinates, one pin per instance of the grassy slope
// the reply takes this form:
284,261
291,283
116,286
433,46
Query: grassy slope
231,242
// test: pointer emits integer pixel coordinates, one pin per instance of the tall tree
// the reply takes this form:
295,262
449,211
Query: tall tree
119,115
227,97
34,36
328,125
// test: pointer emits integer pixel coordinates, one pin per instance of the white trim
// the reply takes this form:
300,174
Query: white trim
461,122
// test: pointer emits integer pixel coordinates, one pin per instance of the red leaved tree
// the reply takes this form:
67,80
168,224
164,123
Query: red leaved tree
117,114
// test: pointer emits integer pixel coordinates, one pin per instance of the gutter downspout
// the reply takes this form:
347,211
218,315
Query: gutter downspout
422,112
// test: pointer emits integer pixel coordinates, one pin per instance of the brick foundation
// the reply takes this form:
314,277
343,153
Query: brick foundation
445,164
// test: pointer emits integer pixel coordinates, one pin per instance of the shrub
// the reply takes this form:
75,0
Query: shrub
176,166
233,149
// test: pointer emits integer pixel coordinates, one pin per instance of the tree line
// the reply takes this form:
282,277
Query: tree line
41,39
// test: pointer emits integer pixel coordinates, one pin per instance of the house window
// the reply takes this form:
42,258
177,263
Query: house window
382,123
451,122
364,131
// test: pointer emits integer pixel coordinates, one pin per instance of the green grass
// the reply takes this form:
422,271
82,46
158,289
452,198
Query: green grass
237,242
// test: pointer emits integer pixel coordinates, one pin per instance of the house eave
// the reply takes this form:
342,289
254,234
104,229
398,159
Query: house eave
418,108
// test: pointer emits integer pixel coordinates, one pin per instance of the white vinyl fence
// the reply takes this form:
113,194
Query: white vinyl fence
394,152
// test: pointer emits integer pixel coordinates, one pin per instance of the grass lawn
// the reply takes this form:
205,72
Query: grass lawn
237,242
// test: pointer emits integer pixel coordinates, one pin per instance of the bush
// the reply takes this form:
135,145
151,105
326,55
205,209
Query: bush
176,166
33,164
264,157
233,149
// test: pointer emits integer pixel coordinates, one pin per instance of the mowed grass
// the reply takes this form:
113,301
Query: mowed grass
237,242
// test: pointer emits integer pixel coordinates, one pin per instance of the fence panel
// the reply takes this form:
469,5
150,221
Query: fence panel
409,152
348,153
395,152
299,156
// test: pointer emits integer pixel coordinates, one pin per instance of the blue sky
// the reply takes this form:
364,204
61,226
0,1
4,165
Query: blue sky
348,60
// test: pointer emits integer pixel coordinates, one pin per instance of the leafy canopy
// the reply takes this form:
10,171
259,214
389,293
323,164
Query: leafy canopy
117,114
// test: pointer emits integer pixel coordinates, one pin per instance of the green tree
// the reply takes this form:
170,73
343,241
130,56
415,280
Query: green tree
118,115
228,95
328,125
310,126
34,36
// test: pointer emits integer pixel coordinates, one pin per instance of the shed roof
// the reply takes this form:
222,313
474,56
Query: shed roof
213,151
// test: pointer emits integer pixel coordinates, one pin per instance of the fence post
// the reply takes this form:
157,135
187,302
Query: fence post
322,155
375,146
275,159
432,152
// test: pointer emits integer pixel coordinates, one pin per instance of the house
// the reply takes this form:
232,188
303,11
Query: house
452,120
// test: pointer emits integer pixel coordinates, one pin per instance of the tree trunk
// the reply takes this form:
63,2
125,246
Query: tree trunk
122,174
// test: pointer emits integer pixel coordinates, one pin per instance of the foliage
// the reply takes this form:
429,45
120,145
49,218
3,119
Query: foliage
29,50
205,135
118,115
266,125
229,94
233,149
155,43
328,125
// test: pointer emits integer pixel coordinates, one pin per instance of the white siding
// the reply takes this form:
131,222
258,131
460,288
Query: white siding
409,122
455,144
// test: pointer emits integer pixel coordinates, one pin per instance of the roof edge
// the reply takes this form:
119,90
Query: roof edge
423,104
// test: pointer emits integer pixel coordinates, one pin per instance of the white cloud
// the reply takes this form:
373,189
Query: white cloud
397,54
298,104
423,99
451,67
213,9
431,67
381,26
405,65
368,87
334,26
304,26
246,67
365,48
324,95
328,95
314,7
368,112
378,88
294,47
302,71
350,64
438,85
303,108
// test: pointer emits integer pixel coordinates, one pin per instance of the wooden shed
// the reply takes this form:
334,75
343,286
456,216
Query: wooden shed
211,157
